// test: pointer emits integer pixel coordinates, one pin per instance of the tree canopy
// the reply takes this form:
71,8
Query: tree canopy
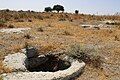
58,8
48,9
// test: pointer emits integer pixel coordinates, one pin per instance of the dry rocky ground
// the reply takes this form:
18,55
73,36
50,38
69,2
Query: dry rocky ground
55,35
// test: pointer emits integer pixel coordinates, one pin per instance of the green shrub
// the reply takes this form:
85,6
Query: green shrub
88,55
2,23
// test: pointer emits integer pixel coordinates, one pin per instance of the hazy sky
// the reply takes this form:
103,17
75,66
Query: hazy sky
84,6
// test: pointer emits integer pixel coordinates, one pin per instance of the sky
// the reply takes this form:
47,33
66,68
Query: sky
84,6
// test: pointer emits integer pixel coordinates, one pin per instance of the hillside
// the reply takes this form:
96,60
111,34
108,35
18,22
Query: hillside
56,32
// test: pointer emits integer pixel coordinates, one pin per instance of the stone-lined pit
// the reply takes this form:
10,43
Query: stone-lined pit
44,67
48,63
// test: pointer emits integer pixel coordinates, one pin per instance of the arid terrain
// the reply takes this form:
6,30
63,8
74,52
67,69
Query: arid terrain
98,37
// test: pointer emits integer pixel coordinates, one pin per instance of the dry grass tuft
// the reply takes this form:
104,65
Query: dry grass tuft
15,47
47,49
3,69
66,33
2,23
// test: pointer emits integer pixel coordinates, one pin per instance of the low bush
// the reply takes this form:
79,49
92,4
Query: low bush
2,23
89,56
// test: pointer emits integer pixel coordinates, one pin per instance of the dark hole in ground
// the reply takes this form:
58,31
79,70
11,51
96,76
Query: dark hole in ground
49,63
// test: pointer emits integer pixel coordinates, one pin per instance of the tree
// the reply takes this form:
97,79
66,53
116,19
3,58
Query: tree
58,8
76,11
48,9
20,11
117,14
6,10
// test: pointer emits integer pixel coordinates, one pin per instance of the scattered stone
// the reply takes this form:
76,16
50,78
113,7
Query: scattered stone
110,22
14,30
87,26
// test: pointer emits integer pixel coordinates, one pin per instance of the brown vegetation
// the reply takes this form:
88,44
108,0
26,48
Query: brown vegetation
53,32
